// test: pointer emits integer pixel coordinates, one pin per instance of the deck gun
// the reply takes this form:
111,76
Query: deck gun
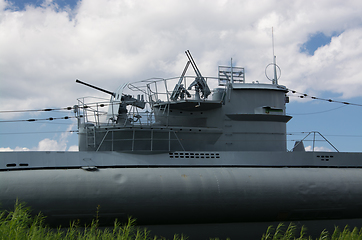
199,83
124,99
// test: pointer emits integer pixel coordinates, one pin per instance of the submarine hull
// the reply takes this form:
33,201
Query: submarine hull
163,195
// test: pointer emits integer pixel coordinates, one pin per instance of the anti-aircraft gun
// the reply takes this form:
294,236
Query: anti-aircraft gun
200,84
119,102
179,91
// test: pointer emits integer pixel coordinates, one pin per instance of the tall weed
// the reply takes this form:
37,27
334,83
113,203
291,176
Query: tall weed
291,233
19,224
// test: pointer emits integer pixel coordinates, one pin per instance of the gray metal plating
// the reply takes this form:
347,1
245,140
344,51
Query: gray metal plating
164,154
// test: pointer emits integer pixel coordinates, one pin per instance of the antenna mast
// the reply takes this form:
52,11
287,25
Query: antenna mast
275,80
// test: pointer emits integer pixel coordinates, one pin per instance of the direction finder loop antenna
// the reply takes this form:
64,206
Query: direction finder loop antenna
275,66
276,76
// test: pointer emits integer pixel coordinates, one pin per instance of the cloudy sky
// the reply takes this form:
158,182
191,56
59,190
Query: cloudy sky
46,45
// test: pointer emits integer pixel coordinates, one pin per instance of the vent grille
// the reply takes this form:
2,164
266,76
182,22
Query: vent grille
324,157
194,155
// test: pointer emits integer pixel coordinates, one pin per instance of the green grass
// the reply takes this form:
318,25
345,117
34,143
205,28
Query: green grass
19,224
291,232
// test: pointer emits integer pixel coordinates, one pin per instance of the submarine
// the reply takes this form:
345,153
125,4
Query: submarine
185,150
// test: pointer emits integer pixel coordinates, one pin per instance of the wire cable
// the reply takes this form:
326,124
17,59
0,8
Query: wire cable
36,110
17,133
329,110
36,119
304,95
57,109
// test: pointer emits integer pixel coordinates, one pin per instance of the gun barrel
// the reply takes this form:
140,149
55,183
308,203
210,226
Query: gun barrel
193,64
100,89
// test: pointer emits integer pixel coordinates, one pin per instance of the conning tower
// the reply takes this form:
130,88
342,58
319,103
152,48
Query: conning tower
183,114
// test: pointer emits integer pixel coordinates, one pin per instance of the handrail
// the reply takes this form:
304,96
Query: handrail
134,139
314,140
155,90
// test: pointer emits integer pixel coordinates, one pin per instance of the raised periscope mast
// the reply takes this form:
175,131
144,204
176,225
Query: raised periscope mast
161,115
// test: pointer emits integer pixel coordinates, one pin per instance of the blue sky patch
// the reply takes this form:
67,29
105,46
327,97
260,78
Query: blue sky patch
315,41
21,4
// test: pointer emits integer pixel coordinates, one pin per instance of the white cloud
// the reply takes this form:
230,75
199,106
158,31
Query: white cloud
334,67
8,149
50,145
106,43
317,149
73,148
44,145
109,42
56,144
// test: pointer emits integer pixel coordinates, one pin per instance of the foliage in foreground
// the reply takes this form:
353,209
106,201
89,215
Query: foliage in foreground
19,224
292,233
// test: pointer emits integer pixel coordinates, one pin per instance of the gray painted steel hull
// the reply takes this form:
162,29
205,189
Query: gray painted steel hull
170,160
187,194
